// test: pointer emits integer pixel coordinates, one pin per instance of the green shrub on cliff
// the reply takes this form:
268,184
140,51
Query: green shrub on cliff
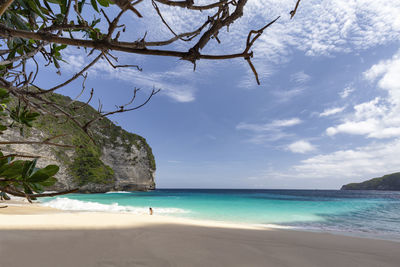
21,177
86,165
387,182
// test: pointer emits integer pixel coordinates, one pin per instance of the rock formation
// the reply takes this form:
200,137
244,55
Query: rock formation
390,182
117,160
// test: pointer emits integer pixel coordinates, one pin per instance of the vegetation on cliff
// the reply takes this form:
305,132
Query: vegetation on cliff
390,182
86,165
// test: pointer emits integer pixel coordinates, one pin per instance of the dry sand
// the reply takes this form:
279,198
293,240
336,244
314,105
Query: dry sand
38,236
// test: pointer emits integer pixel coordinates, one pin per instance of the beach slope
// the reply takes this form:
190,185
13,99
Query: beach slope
108,240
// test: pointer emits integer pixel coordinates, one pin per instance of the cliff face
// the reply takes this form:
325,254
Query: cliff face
118,160
390,182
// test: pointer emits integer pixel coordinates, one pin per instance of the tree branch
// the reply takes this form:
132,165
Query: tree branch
4,5
103,45
20,194
189,4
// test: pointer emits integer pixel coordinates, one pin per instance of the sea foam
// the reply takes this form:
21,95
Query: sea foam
78,205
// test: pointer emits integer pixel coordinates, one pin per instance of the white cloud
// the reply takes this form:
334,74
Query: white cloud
274,125
377,118
346,92
284,96
358,128
300,77
374,159
319,28
264,71
177,83
264,138
268,132
174,161
286,123
349,165
331,111
325,27
75,61
301,146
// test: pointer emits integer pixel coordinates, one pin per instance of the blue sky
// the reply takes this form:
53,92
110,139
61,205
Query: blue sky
326,113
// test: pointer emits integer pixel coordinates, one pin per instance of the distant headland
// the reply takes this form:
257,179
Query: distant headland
389,182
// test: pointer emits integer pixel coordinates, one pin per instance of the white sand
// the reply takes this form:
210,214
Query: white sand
40,236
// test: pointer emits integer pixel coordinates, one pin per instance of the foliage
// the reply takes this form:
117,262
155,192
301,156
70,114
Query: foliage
387,182
86,165
88,168
21,175
32,28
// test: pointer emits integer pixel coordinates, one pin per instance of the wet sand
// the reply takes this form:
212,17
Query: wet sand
48,237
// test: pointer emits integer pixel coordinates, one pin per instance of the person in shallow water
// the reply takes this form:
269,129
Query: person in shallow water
151,211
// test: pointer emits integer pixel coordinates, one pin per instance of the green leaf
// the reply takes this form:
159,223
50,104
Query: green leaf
56,64
43,174
3,161
50,170
29,167
38,177
35,8
104,3
49,182
80,5
94,5
27,190
48,6
3,93
37,188
23,115
12,170
63,6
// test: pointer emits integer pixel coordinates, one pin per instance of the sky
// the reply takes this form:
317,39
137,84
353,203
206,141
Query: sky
327,111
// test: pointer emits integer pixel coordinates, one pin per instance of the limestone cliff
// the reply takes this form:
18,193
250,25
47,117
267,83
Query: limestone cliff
118,160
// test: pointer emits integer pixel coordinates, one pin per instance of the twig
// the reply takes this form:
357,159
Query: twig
18,155
189,4
293,12
20,194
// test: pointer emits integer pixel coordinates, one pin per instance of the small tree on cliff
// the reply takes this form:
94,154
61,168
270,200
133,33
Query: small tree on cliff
33,28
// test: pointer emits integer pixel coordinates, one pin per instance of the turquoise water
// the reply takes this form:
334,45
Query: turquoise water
369,213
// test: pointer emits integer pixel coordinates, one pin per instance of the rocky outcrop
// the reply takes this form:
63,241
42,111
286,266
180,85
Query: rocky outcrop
117,160
131,170
390,182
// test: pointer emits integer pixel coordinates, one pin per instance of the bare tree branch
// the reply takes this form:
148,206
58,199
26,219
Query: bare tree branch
4,4
19,156
34,143
293,12
190,5
21,194
23,57
72,78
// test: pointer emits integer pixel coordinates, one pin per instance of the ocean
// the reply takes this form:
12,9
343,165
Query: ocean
373,214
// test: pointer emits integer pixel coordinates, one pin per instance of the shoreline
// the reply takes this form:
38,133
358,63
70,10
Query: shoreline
45,237
23,215
29,216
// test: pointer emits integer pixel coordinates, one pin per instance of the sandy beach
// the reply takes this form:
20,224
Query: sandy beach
40,236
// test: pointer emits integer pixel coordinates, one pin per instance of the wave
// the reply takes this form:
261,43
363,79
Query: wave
117,192
78,205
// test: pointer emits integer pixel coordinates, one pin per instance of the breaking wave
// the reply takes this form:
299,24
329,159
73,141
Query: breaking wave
78,205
